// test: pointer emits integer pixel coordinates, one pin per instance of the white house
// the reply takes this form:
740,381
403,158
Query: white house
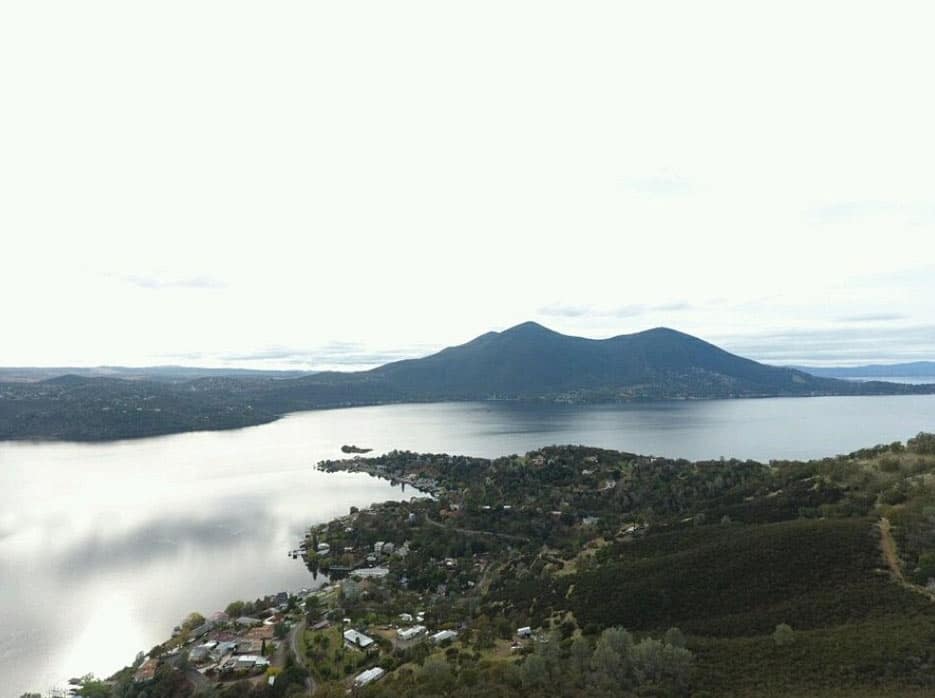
369,676
411,633
357,640
440,637
524,632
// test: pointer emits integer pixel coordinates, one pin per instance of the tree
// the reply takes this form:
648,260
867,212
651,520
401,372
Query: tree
611,657
534,671
580,655
674,637
783,635
193,620
436,674
923,443
656,662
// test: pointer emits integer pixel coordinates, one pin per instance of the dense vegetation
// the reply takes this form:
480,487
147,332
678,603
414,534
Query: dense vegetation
527,362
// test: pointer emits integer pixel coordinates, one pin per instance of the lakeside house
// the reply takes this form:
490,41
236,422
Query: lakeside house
406,634
369,676
147,671
440,637
357,640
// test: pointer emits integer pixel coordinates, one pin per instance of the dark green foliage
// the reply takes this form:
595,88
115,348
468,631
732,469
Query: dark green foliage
743,581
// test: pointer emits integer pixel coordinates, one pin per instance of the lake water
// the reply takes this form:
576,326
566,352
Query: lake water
105,547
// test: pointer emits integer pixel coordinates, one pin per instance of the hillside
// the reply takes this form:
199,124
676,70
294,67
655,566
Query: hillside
531,361
526,362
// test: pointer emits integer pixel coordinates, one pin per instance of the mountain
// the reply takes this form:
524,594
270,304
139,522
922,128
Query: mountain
532,361
526,362
914,369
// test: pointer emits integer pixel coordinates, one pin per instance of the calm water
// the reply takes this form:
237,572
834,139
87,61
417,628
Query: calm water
104,547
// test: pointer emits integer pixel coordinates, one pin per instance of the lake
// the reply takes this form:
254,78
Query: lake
105,547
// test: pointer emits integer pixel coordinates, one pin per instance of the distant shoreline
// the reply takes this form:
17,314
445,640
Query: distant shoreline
38,440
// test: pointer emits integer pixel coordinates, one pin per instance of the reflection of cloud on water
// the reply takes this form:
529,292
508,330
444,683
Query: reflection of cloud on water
166,537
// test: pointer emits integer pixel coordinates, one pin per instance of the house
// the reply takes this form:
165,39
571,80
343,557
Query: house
590,520
357,640
260,633
374,572
406,634
323,548
369,676
248,621
198,654
525,631
322,625
388,548
405,617
223,649
147,671
440,637
202,630
378,547
247,662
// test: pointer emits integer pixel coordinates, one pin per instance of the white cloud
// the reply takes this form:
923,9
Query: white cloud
416,173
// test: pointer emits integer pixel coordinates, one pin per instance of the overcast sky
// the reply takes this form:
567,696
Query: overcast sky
303,185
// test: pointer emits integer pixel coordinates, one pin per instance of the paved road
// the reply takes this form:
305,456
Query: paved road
294,636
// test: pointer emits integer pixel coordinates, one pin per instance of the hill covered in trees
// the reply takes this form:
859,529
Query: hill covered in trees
526,362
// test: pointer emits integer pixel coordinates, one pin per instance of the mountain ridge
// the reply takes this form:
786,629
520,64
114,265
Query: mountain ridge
524,362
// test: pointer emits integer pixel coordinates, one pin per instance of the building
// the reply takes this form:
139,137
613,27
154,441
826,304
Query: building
525,631
405,617
357,640
412,633
246,662
378,547
147,671
440,637
369,676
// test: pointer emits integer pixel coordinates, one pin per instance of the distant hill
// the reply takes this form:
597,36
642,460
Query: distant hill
914,369
155,373
532,361
526,362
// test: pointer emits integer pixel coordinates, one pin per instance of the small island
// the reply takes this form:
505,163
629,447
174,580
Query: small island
354,449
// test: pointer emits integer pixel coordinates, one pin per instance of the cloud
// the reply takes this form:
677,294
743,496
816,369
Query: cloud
838,346
333,354
873,317
155,281
559,310
620,311
911,213
664,184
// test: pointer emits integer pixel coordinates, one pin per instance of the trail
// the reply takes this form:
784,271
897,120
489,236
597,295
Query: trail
474,532
293,643
888,545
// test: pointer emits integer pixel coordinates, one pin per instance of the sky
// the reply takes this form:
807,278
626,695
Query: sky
320,185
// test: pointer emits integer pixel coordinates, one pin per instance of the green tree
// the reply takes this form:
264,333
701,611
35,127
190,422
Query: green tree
674,637
783,635
580,655
611,657
656,662
534,671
